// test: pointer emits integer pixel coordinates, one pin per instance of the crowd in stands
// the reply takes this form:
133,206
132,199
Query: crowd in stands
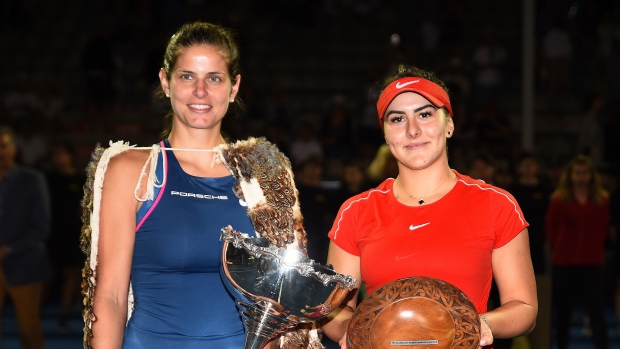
335,148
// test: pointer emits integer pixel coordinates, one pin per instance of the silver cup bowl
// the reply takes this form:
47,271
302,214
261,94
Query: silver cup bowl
278,288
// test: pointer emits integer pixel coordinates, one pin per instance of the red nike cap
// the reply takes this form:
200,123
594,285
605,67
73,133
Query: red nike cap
426,88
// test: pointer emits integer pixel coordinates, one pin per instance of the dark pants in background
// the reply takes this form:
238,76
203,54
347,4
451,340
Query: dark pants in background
583,286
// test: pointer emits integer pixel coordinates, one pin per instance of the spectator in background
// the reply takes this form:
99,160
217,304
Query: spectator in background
504,176
315,206
481,167
25,224
336,131
22,102
32,143
382,166
532,192
306,144
494,133
66,184
577,226
353,182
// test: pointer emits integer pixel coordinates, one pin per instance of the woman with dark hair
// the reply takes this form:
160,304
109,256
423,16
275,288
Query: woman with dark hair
577,225
431,220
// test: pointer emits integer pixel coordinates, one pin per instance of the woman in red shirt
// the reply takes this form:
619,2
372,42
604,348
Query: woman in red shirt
577,226
431,220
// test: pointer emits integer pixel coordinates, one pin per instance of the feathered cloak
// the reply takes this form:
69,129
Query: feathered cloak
264,179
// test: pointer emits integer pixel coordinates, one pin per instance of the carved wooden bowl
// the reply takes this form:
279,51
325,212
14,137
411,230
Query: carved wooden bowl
416,312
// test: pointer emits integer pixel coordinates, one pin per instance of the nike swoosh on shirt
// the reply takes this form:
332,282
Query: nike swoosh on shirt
414,227
399,258
399,85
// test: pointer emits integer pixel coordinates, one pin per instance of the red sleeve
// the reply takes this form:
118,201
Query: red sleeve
342,232
509,219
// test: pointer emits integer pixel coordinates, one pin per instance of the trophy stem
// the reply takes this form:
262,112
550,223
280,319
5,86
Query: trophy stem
263,322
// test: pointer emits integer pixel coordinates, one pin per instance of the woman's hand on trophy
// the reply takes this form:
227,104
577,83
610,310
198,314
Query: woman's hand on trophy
343,341
486,336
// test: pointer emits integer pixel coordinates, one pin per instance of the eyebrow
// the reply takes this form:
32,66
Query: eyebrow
415,110
207,73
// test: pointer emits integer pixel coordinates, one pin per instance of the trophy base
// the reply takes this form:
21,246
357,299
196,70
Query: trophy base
264,320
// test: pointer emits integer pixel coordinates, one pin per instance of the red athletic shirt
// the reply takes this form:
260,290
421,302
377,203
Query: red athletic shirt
451,239
577,232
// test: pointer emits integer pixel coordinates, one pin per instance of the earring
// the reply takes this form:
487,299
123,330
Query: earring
232,100
449,132
167,95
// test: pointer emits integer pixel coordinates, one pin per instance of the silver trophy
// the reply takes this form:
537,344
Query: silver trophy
278,288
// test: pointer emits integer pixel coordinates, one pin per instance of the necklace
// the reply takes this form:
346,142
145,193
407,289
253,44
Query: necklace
421,201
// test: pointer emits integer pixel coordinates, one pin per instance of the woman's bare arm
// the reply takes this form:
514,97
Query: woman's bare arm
116,241
514,276
335,324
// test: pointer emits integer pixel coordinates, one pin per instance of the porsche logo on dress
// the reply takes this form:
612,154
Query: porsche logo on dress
198,196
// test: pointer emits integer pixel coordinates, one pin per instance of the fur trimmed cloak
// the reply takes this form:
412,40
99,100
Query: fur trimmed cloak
264,179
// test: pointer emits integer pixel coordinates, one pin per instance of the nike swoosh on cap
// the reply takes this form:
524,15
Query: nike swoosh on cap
399,85
414,227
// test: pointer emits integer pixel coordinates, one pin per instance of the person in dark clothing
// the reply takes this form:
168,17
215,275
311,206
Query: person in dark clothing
314,204
25,224
533,192
66,191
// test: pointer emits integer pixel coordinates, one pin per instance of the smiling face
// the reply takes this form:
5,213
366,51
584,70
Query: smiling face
199,86
416,131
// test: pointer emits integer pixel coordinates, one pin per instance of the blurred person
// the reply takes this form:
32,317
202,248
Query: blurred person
336,131
21,101
306,144
315,202
66,184
382,166
532,191
577,226
504,174
32,142
25,224
405,216
354,181
480,166
494,134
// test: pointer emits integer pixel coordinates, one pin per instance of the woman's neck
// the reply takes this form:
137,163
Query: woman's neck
582,194
418,187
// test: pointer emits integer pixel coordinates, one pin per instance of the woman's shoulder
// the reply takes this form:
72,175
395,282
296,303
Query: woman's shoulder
124,164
